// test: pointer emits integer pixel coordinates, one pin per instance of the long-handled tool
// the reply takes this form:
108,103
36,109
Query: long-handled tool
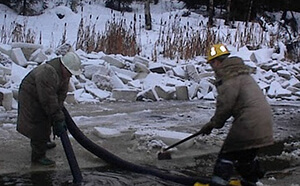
164,155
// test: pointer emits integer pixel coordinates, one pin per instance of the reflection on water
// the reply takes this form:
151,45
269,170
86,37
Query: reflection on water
91,177
109,176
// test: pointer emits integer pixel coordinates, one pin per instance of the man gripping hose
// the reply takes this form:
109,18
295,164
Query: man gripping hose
40,102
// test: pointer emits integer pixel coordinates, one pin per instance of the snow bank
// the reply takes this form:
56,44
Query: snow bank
120,78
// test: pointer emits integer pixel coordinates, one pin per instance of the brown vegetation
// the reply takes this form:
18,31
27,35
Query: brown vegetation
174,41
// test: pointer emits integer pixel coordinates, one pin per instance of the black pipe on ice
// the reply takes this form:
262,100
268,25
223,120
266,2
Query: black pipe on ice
77,177
118,162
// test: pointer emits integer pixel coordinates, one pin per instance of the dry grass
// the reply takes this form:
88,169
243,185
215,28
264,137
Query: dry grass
17,33
185,42
117,38
174,41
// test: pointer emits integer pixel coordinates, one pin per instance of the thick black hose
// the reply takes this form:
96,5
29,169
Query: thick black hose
77,177
118,162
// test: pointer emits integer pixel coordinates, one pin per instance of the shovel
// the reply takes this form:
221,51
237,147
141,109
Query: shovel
164,155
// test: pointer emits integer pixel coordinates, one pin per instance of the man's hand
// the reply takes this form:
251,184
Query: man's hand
207,128
59,127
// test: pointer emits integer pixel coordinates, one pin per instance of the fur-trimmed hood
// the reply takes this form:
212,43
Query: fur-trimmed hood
231,67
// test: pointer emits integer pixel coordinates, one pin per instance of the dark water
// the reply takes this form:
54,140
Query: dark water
109,176
113,177
91,177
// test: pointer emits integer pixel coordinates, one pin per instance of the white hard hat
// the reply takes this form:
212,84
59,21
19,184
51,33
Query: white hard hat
72,62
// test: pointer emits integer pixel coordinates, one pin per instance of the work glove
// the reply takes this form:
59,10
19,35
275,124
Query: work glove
59,127
207,128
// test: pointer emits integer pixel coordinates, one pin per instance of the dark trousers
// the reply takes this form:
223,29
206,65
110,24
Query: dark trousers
39,148
243,161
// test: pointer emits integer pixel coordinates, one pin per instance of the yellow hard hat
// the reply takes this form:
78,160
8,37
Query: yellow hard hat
231,182
72,62
216,51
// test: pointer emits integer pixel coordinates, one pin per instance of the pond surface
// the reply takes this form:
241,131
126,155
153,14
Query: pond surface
111,176
91,177
177,116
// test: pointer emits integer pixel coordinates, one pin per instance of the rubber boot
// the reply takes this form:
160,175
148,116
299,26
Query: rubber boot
251,172
51,145
246,183
222,172
44,161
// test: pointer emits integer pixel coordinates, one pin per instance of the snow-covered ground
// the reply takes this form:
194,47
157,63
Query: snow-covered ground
277,76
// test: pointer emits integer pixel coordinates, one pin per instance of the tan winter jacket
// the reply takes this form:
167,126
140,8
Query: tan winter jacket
240,96
41,96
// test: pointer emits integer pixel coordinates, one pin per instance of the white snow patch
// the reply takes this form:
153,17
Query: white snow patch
103,132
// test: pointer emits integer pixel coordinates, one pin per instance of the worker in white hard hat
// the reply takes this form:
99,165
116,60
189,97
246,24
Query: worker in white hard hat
239,97
40,101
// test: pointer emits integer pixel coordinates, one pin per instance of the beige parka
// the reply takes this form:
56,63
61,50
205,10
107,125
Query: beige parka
240,96
40,101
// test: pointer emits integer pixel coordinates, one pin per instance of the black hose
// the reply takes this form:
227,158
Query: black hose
118,162
77,177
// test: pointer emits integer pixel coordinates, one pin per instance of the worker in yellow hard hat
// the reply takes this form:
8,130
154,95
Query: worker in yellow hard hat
239,97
